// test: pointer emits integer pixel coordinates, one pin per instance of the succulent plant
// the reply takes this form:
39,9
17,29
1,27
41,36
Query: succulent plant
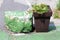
40,8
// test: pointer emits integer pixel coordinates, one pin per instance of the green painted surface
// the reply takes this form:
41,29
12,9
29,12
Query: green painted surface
3,35
52,35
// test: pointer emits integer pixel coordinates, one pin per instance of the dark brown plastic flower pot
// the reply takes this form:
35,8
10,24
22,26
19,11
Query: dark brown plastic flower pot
42,21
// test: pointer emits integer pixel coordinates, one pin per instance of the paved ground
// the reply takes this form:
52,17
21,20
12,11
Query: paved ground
54,22
53,34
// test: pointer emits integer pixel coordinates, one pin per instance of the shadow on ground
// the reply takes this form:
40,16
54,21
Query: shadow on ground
52,26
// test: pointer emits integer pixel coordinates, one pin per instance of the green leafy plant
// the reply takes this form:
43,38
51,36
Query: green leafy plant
56,15
27,27
58,5
40,8
16,24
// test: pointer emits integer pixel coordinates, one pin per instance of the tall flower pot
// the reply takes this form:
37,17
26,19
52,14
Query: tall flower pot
42,20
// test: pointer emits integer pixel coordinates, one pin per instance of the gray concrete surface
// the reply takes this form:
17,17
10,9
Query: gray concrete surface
54,22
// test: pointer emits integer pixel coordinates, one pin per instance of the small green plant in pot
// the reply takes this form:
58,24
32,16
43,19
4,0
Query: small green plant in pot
40,8
42,14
